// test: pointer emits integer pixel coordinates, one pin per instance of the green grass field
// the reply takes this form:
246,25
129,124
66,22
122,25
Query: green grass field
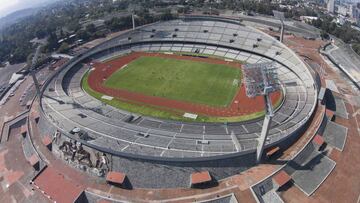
183,80
145,68
159,113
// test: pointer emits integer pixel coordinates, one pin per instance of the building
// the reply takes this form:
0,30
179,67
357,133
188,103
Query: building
331,6
341,20
308,19
353,11
342,10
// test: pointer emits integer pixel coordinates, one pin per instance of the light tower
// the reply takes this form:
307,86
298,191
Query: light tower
32,70
280,15
133,20
331,6
260,80
132,10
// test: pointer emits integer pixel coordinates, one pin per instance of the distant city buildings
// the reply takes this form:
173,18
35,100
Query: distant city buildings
355,13
331,6
350,10
308,19
341,20
345,11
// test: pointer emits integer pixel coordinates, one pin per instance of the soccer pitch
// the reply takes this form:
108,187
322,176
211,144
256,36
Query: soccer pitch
184,80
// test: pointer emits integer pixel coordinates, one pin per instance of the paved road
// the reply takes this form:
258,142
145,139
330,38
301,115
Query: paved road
6,73
301,29
346,59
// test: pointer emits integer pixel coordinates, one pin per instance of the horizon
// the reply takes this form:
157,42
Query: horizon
8,7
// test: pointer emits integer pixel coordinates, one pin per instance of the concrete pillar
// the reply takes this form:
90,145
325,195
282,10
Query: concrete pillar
133,21
32,70
282,32
263,137
265,128
37,86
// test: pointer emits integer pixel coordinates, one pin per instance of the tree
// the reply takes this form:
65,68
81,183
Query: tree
52,42
74,26
166,15
91,28
324,35
63,48
20,55
40,33
99,34
82,34
356,48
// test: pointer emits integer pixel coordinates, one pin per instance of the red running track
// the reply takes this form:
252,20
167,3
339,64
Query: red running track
241,104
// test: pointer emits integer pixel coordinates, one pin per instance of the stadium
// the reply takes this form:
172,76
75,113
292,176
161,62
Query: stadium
180,101
111,94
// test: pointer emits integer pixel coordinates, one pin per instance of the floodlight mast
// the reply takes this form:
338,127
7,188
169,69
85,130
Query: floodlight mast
261,79
281,16
133,20
266,126
32,70
282,31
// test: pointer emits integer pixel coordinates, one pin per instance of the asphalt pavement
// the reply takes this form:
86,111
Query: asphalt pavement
6,72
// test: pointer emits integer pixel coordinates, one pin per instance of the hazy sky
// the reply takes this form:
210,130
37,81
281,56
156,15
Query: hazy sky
9,6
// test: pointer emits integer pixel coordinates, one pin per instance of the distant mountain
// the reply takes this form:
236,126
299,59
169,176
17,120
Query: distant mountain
20,10
17,15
